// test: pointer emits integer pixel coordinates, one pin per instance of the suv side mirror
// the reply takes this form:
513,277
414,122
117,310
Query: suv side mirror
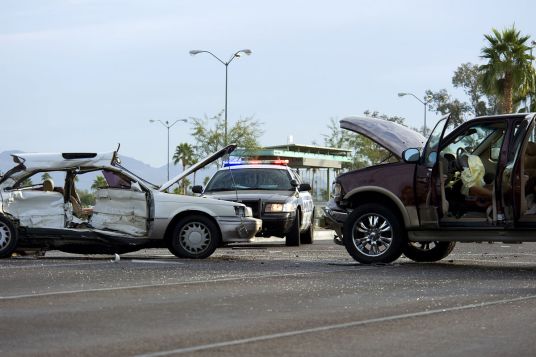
197,189
411,155
304,187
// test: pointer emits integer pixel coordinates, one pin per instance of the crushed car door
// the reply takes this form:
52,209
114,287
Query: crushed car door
35,205
121,206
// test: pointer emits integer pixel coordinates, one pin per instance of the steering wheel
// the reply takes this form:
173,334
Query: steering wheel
460,154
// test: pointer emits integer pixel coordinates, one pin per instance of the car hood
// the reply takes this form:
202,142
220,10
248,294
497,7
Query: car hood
394,137
226,150
254,195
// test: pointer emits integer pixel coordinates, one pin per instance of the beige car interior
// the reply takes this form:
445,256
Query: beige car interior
474,184
528,182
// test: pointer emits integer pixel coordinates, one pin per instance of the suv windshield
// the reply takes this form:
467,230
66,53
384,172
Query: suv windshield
250,179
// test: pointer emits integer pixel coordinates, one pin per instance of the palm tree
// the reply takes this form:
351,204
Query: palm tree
509,71
99,182
184,154
45,176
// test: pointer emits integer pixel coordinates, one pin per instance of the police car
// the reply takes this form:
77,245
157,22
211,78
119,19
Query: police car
275,193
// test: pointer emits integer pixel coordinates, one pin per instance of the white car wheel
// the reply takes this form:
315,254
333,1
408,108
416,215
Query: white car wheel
8,238
194,237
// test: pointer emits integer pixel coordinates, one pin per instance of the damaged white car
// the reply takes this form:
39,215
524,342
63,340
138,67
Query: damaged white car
129,213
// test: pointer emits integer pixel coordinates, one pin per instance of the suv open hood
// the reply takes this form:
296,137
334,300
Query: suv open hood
226,150
394,137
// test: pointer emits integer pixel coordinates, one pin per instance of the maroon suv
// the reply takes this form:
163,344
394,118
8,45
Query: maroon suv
475,182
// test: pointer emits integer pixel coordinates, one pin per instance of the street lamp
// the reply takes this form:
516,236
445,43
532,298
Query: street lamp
425,102
168,126
226,64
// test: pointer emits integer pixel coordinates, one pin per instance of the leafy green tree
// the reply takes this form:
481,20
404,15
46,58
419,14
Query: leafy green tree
442,102
86,198
182,189
209,134
469,78
99,182
508,72
26,182
365,152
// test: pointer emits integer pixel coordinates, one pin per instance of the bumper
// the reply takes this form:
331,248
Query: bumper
276,224
334,218
239,230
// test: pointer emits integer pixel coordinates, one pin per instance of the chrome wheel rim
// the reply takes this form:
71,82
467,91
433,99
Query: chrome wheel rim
194,237
372,234
5,235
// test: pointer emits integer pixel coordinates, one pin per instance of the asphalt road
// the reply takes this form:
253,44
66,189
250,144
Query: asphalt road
270,300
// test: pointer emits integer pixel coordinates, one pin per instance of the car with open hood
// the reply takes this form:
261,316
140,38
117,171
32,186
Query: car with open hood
129,213
275,193
473,182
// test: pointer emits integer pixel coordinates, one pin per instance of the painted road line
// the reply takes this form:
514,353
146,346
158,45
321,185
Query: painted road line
324,328
207,281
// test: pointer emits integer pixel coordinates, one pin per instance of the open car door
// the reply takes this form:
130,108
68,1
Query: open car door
428,177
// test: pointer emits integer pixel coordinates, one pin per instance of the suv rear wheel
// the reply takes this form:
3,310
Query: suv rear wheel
373,234
427,251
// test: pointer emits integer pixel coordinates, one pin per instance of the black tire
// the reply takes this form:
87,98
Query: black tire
374,234
195,237
308,236
427,251
8,237
293,235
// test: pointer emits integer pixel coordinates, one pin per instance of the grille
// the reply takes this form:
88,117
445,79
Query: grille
255,207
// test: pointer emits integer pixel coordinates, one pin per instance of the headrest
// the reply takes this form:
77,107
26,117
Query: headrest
48,185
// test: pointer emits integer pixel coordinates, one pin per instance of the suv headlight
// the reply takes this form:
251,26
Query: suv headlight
279,207
336,191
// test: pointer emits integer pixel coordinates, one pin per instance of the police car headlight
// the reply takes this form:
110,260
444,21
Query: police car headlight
279,207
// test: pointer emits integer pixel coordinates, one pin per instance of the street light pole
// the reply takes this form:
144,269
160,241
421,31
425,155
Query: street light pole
226,64
424,102
168,126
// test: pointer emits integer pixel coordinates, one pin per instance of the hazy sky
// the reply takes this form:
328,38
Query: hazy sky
84,75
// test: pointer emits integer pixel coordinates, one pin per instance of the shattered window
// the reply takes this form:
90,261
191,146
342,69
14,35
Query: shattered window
116,180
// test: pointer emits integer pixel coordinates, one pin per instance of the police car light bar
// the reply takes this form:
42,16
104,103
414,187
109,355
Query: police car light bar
256,162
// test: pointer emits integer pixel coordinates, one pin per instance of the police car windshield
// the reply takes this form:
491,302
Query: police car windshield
250,179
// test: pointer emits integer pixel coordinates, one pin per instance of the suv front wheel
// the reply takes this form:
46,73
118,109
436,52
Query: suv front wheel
373,234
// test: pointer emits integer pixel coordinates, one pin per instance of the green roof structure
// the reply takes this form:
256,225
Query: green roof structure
300,156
